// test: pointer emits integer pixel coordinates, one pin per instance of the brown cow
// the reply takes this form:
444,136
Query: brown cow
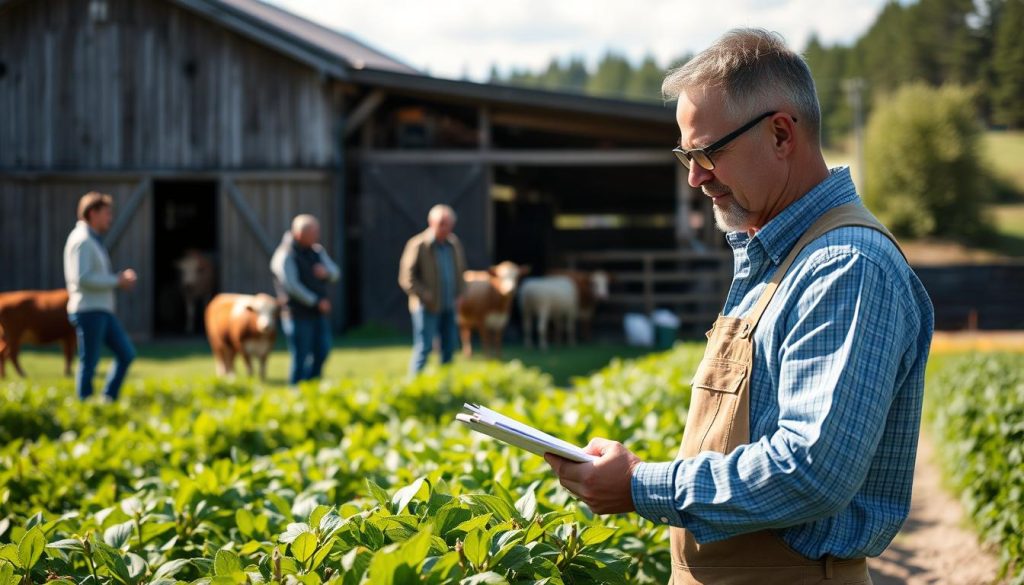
486,304
34,316
241,324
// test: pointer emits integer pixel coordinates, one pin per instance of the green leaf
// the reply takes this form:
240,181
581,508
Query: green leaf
501,509
596,535
31,548
9,552
152,530
293,532
119,534
322,553
6,573
405,495
511,557
303,547
111,558
476,546
132,506
527,505
68,544
170,568
414,550
245,521
226,563
136,566
378,493
384,565
488,578
472,523
317,514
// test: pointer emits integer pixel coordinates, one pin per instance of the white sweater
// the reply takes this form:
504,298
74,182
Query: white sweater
87,272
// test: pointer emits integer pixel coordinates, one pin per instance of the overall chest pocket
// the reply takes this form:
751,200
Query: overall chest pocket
714,405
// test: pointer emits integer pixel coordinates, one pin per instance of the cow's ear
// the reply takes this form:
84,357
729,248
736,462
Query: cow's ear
250,308
492,271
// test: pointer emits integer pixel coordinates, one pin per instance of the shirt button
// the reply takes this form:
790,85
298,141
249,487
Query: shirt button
664,520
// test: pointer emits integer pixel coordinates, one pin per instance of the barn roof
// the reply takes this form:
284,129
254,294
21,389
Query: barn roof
350,59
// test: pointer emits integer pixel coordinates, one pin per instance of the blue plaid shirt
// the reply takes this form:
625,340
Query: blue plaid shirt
835,394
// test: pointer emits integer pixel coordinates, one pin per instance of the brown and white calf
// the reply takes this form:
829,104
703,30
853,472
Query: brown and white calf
34,316
486,304
241,324
196,272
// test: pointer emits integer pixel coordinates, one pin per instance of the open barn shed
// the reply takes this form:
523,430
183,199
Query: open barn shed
214,122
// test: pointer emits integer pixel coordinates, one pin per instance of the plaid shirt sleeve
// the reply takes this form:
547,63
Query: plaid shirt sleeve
844,333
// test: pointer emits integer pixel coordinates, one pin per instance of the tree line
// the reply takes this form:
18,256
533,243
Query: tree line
972,43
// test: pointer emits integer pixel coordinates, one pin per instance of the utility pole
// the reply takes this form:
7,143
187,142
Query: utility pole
854,89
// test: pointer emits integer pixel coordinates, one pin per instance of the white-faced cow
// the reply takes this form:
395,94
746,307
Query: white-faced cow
197,275
591,289
547,299
241,324
486,304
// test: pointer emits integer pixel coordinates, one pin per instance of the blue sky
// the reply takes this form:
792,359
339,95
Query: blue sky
456,38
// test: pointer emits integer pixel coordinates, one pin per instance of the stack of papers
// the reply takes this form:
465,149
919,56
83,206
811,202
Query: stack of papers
486,421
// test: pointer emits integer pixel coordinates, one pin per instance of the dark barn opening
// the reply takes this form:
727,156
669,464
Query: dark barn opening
184,222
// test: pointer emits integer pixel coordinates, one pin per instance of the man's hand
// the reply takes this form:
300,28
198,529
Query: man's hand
324,305
320,271
603,484
126,279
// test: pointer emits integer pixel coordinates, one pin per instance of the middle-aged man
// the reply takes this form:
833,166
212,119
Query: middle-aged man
302,269
91,284
430,272
798,454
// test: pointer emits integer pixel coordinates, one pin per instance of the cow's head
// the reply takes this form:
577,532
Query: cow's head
599,281
264,307
194,269
506,276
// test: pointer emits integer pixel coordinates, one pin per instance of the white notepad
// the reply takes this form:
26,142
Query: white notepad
486,421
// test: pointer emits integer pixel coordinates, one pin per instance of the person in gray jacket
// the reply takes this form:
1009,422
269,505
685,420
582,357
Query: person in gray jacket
302,269
91,284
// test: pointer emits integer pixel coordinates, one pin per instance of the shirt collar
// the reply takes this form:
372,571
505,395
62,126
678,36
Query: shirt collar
92,233
780,234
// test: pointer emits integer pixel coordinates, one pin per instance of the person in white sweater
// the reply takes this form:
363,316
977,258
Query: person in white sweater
91,284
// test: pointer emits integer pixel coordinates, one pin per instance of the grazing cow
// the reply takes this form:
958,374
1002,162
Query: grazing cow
591,288
241,324
486,304
34,316
544,299
197,275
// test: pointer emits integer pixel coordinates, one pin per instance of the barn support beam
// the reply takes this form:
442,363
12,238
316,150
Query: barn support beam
125,216
342,131
360,114
533,157
484,141
248,215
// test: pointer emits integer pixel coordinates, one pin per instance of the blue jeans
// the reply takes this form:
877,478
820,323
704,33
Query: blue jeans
425,325
309,342
93,328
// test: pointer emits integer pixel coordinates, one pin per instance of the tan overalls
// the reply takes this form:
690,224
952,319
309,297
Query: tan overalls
719,420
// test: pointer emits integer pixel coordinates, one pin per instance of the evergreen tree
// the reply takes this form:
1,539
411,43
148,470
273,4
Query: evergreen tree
1008,66
645,82
611,77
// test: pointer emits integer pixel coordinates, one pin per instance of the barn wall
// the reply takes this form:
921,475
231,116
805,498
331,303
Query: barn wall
153,86
245,265
37,217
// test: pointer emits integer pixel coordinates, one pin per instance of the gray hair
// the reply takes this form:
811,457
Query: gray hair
756,72
440,210
303,222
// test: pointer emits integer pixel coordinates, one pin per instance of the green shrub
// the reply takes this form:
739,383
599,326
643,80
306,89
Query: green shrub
923,173
977,411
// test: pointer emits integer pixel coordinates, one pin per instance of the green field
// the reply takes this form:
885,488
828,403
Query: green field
388,357
1004,153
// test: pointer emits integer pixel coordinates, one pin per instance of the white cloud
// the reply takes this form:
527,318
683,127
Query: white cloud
450,38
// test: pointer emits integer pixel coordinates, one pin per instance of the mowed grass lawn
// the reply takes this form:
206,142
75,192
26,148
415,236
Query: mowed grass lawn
190,360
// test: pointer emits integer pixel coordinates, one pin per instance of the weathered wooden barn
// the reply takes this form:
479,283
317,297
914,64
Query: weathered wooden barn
214,122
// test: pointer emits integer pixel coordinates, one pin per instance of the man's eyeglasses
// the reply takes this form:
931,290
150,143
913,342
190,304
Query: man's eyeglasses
702,156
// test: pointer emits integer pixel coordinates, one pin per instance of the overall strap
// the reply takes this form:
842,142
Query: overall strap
851,214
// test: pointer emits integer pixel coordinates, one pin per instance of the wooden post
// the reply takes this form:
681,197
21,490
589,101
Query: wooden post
648,283
124,218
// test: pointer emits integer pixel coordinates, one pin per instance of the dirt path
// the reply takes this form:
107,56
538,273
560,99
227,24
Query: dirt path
935,546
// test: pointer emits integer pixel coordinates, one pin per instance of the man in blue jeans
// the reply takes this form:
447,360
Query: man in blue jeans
302,269
430,272
91,284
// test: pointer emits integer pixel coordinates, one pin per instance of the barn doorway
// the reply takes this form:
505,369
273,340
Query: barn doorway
184,226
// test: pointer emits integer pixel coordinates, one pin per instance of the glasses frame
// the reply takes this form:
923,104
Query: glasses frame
703,155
